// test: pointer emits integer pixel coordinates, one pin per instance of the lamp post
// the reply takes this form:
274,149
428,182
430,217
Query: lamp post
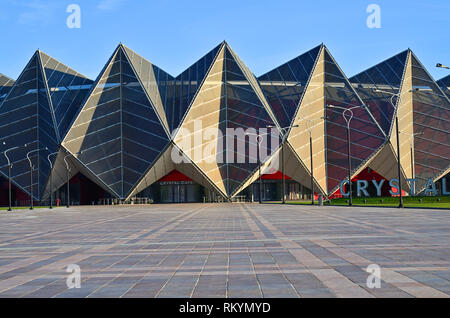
399,168
442,66
9,174
411,147
68,175
283,130
309,126
259,140
51,178
347,113
31,173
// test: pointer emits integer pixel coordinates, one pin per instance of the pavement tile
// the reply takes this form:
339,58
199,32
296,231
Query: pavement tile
218,250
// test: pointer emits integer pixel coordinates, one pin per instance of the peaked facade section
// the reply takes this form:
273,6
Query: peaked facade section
309,119
404,111
284,86
229,102
423,111
154,80
6,84
118,133
431,123
246,107
366,135
385,76
27,118
328,86
183,89
67,90
206,113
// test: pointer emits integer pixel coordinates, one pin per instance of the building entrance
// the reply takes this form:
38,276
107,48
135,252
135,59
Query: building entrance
179,193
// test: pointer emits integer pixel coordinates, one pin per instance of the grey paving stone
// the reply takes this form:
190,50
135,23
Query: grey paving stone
218,250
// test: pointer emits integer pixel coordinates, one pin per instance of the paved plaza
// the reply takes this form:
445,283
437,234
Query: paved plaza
225,250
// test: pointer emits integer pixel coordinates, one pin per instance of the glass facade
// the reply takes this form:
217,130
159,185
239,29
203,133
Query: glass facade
118,133
386,76
366,135
284,86
183,88
119,128
431,111
228,101
67,89
37,110
6,84
444,83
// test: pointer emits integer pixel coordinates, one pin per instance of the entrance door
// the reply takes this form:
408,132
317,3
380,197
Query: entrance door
181,189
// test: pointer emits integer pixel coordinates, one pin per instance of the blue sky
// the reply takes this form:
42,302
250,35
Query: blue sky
173,34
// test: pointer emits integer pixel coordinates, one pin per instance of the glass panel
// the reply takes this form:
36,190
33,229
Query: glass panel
20,125
119,120
385,76
283,87
444,83
181,92
244,110
365,136
432,121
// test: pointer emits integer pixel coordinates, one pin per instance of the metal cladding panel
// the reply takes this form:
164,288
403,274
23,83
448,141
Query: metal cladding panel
182,90
67,89
207,114
153,80
284,86
386,76
118,133
228,102
310,122
444,83
431,118
6,84
246,107
26,118
366,136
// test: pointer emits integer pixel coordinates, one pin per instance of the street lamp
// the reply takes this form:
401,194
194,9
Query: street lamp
9,173
442,66
51,178
347,113
68,175
31,172
309,126
399,168
283,130
259,140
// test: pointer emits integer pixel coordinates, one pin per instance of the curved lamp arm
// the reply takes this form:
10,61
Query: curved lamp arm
32,151
48,158
6,154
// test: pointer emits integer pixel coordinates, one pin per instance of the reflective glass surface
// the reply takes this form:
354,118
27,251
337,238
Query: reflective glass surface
284,86
67,89
6,84
365,135
244,110
386,76
118,131
26,118
432,122
182,89
444,83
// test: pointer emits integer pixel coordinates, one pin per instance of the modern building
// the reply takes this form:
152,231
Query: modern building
444,83
138,132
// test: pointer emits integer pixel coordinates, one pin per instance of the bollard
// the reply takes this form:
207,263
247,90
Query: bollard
320,200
